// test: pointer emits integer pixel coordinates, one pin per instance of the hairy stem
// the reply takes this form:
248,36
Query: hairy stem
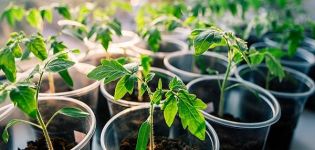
222,89
151,129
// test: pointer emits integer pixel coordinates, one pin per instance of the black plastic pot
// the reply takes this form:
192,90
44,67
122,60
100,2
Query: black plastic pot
302,61
249,111
72,130
291,93
116,106
126,124
185,64
168,45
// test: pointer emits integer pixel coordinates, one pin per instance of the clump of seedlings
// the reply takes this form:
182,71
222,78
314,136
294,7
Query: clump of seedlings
205,39
23,92
177,99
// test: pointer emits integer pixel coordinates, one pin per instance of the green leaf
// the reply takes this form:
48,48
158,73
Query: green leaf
122,60
120,89
190,115
206,39
57,47
170,109
256,57
7,64
104,35
146,64
176,84
160,85
110,70
154,39
116,26
25,99
130,82
37,46
34,18
143,89
17,51
47,15
58,65
149,77
5,133
64,11
274,66
3,95
156,97
66,77
73,112
143,136
13,14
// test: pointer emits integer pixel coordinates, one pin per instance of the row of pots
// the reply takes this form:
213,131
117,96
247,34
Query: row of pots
256,114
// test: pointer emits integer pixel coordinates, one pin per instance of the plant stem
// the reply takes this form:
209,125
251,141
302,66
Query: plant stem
222,88
140,98
51,83
45,132
151,129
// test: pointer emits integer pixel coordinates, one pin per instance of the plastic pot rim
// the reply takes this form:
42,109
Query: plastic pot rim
300,76
273,104
175,55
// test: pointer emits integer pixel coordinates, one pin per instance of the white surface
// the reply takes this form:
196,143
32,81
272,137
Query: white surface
304,138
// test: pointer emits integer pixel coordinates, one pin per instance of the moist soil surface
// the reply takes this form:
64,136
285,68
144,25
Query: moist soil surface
134,97
40,144
161,143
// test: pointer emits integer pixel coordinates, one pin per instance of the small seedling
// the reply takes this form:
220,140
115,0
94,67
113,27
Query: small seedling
178,99
24,92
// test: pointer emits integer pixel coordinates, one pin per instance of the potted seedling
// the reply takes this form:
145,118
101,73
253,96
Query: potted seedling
290,87
177,101
104,37
24,93
117,103
231,102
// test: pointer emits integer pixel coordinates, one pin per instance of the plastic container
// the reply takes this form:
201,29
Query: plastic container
179,33
184,64
127,123
83,89
115,106
291,93
168,45
70,129
249,111
302,61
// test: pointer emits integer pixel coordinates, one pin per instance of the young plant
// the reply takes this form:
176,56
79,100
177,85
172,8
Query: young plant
178,99
205,39
24,92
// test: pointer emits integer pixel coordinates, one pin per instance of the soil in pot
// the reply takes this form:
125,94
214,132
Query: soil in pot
161,143
40,144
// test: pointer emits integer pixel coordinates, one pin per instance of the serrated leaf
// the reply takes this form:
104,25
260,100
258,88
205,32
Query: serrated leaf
143,89
25,99
110,70
73,112
154,39
191,116
120,89
130,82
34,18
13,14
256,57
58,65
143,136
7,64
274,66
66,77
37,46
149,77
176,84
170,109
116,26
156,97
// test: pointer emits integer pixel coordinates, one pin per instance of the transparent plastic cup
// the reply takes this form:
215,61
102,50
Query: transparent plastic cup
291,93
126,124
168,45
78,131
184,64
249,111
302,61
116,106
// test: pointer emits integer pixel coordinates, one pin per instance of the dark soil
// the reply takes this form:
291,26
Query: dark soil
40,144
134,97
161,143
230,143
